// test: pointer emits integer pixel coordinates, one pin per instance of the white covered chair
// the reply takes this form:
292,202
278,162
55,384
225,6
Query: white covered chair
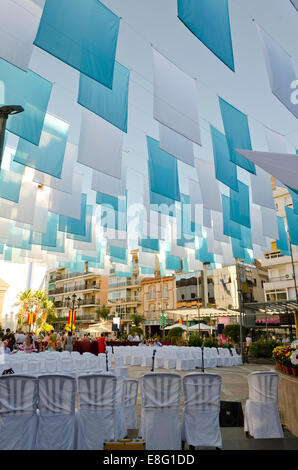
57,419
51,366
160,422
67,366
262,419
200,424
98,417
238,360
130,403
18,412
224,359
208,358
184,360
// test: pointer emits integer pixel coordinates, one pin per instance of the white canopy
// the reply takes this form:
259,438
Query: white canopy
177,325
202,327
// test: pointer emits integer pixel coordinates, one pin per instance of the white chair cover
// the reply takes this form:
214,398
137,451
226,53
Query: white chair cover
160,423
18,417
262,419
57,420
97,417
224,359
200,424
238,360
130,402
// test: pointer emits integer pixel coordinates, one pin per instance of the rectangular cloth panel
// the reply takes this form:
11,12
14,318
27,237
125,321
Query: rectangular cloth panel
113,213
60,244
295,3
151,244
19,24
280,165
23,211
209,21
87,238
75,226
202,252
162,204
225,169
18,238
172,263
29,90
110,104
281,71
269,222
100,146
48,239
81,33
175,144
163,171
107,184
64,183
294,197
175,98
208,184
66,204
261,189
246,239
283,242
257,226
237,133
118,252
230,228
239,205
292,220
217,225
49,155
11,182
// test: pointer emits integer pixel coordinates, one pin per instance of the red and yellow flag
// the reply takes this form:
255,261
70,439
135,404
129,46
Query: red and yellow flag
31,318
70,314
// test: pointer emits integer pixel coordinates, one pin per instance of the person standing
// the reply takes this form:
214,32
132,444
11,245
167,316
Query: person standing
248,343
69,342
102,344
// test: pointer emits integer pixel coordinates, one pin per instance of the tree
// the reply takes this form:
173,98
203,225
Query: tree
103,312
35,302
137,319
233,332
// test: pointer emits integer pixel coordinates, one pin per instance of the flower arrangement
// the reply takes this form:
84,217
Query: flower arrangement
286,359
294,358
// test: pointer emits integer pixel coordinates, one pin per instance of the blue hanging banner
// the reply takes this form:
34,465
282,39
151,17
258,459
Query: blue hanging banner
163,171
114,214
225,169
48,239
283,242
11,182
209,21
87,238
292,220
202,252
230,228
237,133
32,92
294,197
81,33
110,104
173,263
75,226
239,205
48,157
150,244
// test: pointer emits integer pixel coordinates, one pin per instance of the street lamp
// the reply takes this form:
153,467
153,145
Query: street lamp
74,303
6,111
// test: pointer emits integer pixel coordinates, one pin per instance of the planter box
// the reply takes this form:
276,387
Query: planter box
287,402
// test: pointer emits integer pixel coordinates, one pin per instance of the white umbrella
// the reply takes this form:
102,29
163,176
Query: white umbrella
177,325
202,327
97,329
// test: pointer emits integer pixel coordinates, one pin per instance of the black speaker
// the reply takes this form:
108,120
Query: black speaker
231,414
220,328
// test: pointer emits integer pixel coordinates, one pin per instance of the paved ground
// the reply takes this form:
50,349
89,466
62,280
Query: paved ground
234,388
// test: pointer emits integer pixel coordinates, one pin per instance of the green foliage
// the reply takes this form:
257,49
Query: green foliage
103,312
123,336
262,348
195,341
177,332
210,343
137,319
137,330
233,332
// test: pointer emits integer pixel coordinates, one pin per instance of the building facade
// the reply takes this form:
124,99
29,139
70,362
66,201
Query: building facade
90,287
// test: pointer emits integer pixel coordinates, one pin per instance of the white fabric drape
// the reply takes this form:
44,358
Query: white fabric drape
176,145
175,98
261,189
209,185
269,222
68,205
100,146
19,24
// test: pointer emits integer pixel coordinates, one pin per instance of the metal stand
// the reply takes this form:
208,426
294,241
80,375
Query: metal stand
107,362
203,360
153,359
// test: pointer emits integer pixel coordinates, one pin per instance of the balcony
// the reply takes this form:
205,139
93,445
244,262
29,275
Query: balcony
74,275
68,290
86,303
127,300
157,296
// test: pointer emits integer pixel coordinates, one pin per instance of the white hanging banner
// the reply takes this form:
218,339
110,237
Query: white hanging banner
68,205
19,24
208,184
175,98
281,72
257,236
107,184
100,146
217,225
261,189
269,221
23,211
282,166
176,145
64,183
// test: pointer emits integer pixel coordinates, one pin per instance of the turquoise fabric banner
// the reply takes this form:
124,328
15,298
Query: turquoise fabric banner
81,33
11,182
173,263
202,253
110,104
283,242
292,220
230,228
48,157
29,90
163,171
237,133
225,169
209,21
239,205
75,226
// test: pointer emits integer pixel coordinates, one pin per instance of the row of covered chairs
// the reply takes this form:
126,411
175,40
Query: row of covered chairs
40,412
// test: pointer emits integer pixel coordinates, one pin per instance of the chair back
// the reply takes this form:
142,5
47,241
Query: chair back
57,394
18,394
263,387
160,390
202,391
130,392
97,392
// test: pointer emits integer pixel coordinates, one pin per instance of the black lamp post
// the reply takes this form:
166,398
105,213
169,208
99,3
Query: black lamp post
6,111
75,303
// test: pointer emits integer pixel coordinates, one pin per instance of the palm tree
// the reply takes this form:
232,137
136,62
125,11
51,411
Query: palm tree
137,319
26,302
37,302
103,312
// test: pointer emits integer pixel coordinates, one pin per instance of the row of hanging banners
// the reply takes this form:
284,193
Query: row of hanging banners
79,183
